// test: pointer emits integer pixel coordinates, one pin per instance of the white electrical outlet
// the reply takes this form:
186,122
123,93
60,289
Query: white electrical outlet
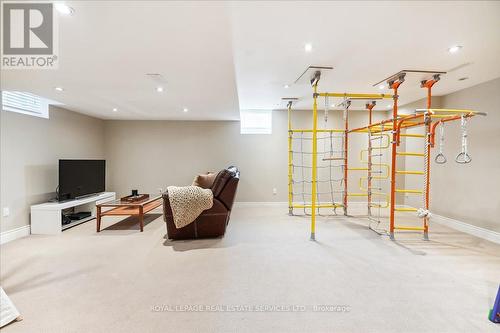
275,191
6,211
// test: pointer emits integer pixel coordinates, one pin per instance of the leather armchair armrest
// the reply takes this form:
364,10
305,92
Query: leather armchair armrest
217,208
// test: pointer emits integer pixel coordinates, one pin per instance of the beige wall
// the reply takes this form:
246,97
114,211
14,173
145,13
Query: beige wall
149,155
31,148
471,192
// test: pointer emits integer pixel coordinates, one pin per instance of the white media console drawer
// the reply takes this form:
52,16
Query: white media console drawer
46,218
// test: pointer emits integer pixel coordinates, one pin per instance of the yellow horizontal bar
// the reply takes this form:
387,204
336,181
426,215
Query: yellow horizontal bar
362,179
410,154
347,95
385,205
335,130
372,131
405,209
406,172
447,110
441,115
357,169
380,206
357,194
408,228
412,135
386,126
318,206
408,191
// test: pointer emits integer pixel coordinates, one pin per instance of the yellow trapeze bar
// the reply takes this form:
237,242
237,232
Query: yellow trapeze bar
357,169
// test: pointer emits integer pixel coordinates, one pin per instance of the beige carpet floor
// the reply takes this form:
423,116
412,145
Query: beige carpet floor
121,280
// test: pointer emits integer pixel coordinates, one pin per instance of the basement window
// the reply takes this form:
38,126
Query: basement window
25,103
256,122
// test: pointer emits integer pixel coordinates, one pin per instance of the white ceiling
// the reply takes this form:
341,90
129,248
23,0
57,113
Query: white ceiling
107,47
218,57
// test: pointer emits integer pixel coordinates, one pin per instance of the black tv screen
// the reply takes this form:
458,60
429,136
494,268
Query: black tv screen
78,178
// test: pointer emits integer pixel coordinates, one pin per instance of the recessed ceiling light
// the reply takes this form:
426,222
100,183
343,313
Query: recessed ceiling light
159,89
185,110
308,47
64,9
381,87
286,86
59,88
455,49
115,109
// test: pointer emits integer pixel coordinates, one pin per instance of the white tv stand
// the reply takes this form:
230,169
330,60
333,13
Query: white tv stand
46,218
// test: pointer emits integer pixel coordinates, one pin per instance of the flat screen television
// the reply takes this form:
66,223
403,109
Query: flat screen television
78,178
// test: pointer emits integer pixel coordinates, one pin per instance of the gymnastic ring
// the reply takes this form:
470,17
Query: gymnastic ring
440,159
463,158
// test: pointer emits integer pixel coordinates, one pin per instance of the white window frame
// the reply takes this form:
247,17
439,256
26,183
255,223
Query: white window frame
256,122
19,102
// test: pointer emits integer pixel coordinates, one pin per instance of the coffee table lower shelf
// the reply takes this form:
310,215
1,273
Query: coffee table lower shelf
127,209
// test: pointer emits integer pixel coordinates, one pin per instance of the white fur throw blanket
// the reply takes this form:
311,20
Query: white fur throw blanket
188,202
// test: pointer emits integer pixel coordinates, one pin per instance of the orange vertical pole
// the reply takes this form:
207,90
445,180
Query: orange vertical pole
394,85
428,123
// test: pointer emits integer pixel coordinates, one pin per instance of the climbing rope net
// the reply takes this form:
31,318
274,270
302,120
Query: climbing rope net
376,180
330,171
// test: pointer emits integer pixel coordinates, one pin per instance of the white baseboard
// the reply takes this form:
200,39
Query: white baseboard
483,233
13,234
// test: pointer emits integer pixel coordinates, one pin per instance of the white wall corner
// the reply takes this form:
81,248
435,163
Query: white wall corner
13,234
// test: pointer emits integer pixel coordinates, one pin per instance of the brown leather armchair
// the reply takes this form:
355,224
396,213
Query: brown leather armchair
211,222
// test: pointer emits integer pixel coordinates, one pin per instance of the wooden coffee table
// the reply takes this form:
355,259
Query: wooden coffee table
118,207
